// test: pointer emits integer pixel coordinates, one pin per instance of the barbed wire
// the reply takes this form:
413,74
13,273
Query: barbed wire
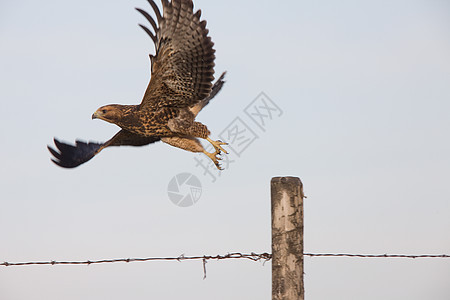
377,255
235,255
204,258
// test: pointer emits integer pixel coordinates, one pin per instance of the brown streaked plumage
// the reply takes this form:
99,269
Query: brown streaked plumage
180,86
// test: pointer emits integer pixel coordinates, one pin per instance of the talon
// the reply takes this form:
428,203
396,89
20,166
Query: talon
214,158
217,145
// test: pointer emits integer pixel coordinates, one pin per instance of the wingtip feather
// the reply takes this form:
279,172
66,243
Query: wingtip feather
156,10
150,34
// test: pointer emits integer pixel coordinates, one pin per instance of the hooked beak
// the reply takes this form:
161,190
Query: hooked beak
94,116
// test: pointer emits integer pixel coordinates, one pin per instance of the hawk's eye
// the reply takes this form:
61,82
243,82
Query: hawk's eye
103,111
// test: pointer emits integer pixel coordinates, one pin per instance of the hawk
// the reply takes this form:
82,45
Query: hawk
180,87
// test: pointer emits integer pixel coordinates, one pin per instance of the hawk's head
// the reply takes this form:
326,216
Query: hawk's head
112,113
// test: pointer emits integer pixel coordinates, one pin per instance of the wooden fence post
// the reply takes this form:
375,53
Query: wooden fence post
287,238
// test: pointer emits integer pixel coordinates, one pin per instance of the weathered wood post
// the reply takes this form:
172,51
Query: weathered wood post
287,238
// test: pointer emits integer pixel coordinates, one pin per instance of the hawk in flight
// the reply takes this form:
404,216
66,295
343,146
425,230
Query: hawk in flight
180,86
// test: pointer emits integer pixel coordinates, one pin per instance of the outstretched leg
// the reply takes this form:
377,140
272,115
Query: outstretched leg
184,124
192,144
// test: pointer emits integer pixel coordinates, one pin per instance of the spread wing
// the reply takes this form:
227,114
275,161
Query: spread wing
71,156
183,67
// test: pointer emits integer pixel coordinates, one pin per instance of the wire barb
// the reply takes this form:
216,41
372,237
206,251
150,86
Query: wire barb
204,268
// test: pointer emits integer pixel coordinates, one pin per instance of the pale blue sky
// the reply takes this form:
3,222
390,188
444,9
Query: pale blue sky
364,87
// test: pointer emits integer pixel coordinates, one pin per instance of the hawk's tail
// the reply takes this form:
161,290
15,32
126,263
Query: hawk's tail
217,86
71,156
